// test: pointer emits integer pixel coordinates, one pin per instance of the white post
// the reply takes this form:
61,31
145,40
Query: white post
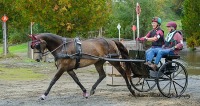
138,10
5,38
133,35
32,56
119,34
138,24
118,27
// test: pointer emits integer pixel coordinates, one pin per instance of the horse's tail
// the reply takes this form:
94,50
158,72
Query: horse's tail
122,49
129,66
124,54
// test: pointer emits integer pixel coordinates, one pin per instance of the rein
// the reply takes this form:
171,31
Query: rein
48,52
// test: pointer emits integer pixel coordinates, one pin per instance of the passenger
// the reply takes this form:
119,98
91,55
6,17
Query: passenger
156,36
173,44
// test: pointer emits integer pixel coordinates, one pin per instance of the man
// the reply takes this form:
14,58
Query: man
156,36
173,44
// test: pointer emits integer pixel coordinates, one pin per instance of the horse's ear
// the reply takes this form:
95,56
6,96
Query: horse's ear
30,35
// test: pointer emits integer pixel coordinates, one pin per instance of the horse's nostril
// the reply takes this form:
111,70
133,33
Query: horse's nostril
38,60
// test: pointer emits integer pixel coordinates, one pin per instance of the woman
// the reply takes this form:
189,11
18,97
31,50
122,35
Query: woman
173,44
156,36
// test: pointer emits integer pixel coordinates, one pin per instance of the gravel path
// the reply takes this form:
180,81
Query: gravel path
66,93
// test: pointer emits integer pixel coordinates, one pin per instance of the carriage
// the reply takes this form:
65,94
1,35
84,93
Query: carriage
171,77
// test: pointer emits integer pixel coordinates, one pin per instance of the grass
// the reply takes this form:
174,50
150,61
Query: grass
16,48
18,74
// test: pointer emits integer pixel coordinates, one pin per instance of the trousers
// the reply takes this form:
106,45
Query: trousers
158,53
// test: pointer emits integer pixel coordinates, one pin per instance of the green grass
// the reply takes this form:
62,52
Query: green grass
16,48
19,74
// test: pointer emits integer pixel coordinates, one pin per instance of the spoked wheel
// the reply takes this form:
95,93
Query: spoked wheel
172,79
143,84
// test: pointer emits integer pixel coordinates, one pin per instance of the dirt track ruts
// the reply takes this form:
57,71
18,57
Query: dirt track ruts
66,93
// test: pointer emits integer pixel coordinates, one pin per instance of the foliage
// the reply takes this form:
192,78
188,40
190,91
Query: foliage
71,18
124,13
177,6
167,9
152,8
191,22
16,38
63,17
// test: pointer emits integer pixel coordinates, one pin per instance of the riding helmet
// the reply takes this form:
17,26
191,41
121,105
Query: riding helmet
172,24
157,19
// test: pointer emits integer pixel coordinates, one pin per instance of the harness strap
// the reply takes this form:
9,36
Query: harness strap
64,48
77,45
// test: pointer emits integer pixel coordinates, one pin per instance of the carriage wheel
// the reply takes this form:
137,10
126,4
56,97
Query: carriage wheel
172,79
142,84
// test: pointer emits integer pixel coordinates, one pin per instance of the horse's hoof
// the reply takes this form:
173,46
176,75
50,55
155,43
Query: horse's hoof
92,92
85,94
43,97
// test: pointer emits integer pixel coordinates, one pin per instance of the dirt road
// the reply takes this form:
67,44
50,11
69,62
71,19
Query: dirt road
66,93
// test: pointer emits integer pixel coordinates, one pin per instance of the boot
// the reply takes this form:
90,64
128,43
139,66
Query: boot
148,63
153,66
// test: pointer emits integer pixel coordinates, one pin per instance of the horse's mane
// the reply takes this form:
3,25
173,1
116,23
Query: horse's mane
50,36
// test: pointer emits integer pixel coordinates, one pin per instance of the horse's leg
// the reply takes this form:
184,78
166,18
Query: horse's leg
102,75
123,73
75,78
53,81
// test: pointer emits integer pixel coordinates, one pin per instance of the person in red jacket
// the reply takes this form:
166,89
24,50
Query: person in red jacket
173,44
156,36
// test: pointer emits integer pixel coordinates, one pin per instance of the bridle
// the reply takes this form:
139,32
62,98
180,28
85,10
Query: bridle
36,44
48,52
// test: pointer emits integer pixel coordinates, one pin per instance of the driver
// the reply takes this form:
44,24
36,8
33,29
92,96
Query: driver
156,36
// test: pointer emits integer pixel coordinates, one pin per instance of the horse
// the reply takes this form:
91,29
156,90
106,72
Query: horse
71,54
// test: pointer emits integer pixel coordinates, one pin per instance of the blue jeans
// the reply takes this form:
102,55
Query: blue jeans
161,53
151,52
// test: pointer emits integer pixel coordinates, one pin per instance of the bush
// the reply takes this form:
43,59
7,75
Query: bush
16,38
192,42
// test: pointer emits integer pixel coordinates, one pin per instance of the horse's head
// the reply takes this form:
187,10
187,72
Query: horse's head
39,46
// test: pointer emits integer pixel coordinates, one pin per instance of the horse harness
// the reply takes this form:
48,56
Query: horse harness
77,45
78,51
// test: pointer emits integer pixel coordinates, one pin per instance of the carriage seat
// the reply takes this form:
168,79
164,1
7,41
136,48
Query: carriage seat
171,57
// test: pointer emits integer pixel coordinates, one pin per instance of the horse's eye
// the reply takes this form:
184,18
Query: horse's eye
37,46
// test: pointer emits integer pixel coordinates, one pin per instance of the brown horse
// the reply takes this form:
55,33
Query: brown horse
71,54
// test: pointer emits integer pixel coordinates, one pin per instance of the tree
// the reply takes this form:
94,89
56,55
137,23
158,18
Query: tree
177,6
63,17
121,13
124,13
191,22
15,23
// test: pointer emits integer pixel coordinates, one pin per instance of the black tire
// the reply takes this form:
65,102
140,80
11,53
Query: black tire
172,79
143,84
